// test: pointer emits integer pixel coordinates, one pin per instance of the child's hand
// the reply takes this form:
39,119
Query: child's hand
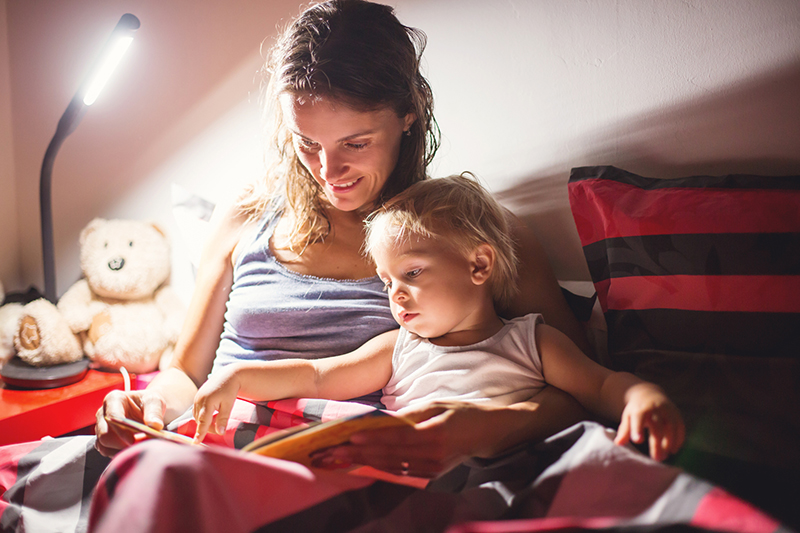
216,394
648,407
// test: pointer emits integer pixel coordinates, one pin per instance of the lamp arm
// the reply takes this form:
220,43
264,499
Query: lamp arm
66,125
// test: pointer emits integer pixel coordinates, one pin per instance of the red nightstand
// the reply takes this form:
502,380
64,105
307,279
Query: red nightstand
27,415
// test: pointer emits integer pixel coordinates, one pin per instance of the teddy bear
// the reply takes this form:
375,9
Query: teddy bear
122,312
9,323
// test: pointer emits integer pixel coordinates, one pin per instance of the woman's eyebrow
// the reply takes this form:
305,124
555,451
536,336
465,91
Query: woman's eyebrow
360,134
343,139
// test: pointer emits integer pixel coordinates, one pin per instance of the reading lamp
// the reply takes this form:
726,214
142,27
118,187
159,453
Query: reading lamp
89,90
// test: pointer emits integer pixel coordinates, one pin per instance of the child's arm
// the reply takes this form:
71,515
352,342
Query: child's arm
342,377
613,395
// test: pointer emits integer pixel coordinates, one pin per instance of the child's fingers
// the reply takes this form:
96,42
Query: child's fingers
656,451
203,419
637,429
624,431
658,434
223,414
669,431
196,408
674,439
679,431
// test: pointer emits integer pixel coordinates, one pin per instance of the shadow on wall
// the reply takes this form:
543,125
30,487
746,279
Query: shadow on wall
752,128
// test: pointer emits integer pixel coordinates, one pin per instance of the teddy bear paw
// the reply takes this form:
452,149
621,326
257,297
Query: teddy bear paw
44,338
29,336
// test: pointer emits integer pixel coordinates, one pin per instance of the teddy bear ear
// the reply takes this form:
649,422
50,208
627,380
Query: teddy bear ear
158,228
90,228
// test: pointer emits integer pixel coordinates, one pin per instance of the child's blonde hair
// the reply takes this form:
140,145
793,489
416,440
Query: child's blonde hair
458,209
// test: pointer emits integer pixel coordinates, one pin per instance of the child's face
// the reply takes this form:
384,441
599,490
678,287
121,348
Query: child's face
431,287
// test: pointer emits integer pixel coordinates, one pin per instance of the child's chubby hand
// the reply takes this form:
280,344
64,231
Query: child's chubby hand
216,395
649,408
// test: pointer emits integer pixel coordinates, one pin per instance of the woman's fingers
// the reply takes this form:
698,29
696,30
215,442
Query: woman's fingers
110,438
108,441
394,459
153,408
418,450
142,406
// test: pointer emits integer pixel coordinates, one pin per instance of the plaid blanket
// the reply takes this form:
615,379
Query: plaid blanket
575,480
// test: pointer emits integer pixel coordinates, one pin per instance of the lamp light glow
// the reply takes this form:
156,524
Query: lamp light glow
106,68
114,49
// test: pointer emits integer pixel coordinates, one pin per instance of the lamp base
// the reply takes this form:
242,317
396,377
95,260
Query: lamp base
23,297
20,375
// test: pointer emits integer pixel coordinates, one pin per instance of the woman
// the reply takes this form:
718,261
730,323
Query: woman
354,125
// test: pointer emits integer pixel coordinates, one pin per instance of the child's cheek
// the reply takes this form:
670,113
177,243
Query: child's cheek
393,309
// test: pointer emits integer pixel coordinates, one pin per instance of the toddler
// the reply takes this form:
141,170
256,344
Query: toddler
443,250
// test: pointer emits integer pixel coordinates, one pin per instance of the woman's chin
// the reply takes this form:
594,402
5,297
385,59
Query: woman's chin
348,203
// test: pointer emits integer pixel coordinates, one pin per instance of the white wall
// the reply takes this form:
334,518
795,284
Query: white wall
10,267
525,90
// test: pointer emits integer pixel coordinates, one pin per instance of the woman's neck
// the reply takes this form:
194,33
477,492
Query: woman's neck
338,256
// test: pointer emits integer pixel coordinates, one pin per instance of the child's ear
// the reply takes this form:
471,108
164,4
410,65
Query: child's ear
481,263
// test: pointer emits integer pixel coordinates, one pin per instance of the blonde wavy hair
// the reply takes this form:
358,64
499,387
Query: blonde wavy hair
358,53
458,210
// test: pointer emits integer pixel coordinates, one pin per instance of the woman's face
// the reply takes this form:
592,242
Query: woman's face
350,153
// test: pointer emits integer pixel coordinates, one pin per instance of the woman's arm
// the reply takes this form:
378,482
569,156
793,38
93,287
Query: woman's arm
448,433
539,291
172,391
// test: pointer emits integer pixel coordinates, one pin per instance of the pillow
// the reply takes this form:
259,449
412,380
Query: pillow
698,264
699,282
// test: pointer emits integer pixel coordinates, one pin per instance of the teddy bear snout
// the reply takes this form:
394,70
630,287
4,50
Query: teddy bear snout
116,264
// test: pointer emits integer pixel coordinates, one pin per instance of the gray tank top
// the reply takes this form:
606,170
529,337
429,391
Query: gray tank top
274,313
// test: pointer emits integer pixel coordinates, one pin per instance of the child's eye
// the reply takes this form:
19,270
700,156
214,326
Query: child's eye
413,273
387,285
356,146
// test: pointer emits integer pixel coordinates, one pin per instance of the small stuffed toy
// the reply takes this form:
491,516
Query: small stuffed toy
121,313
9,324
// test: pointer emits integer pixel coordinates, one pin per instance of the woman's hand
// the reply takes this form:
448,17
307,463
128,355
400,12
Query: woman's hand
145,406
649,408
447,433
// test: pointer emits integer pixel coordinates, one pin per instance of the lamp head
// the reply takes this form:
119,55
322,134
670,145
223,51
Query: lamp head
115,48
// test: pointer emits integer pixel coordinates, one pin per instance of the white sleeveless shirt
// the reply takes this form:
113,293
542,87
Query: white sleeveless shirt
501,370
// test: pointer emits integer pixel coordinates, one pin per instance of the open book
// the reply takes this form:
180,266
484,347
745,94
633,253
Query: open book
301,443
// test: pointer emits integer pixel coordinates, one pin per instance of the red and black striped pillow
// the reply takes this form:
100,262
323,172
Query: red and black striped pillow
699,264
